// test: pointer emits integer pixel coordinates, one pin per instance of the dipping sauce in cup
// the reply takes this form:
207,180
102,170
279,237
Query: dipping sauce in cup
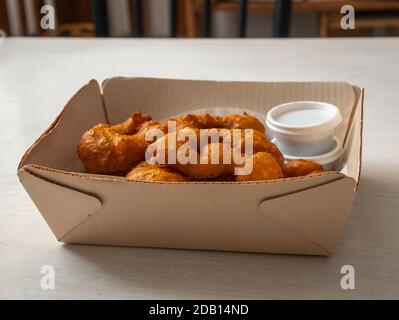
304,128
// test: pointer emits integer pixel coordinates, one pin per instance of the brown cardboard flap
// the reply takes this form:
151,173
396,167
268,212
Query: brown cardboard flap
62,208
310,212
266,235
56,147
352,155
165,97
181,215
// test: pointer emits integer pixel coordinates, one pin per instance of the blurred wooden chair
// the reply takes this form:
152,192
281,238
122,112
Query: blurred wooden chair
83,29
15,18
188,16
369,13
204,8
75,20
193,18
365,21
4,24
137,13
181,18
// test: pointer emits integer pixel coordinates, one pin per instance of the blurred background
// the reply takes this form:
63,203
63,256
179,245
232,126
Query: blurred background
198,18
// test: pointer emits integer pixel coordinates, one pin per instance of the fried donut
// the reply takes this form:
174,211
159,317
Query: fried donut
245,121
301,167
204,121
119,148
265,167
233,121
166,153
210,163
191,121
207,121
258,139
109,149
132,124
261,144
200,166
184,156
145,171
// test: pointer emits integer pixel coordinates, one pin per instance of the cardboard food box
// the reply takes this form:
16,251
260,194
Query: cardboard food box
302,215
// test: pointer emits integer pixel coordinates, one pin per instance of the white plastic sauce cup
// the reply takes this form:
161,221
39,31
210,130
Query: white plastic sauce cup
330,160
304,128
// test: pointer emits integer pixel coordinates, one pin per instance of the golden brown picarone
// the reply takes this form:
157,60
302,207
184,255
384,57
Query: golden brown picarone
207,121
145,171
111,149
301,167
265,167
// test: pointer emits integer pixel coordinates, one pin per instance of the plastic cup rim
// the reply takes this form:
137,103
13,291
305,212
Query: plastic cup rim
327,157
327,125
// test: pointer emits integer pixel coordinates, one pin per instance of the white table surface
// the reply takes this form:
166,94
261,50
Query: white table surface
38,76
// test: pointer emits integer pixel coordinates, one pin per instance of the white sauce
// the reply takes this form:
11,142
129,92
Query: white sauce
305,117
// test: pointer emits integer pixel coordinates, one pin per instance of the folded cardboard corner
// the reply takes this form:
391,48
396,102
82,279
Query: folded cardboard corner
300,216
301,211
56,147
63,208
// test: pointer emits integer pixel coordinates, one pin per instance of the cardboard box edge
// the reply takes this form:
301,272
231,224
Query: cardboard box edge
328,247
54,123
92,204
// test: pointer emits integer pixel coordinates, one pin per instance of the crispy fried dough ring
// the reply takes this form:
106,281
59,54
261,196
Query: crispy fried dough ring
301,167
265,167
109,149
202,168
261,144
188,160
207,121
145,171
